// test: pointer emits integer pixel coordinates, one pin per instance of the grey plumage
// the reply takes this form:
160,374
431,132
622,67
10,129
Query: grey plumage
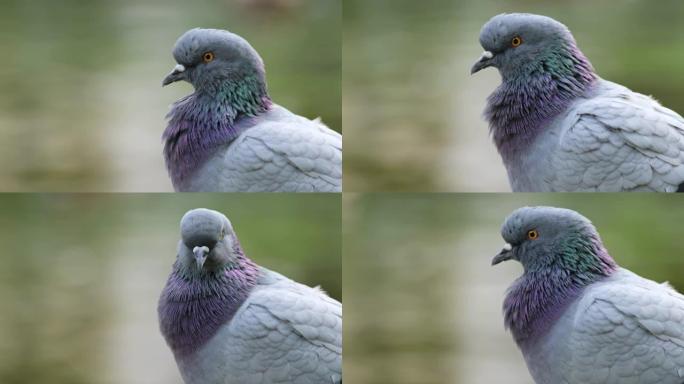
559,127
230,321
577,316
230,136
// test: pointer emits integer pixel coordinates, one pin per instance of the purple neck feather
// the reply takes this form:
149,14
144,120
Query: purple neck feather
518,109
539,297
193,307
201,122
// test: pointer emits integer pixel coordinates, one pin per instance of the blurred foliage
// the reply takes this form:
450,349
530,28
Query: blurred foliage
83,108
412,111
423,304
75,268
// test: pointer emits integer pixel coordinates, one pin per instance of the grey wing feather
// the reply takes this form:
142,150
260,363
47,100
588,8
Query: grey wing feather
294,330
315,155
628,333
279,152
620,140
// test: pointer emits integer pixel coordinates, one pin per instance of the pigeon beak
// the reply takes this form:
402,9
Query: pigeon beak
505,254
483,62
178,73
200,255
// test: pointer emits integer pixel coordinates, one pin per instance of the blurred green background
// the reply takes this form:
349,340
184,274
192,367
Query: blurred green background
423,304
82,107
412,112
80,275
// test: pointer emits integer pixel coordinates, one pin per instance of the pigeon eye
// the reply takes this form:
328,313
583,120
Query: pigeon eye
532,235
208,56
516,41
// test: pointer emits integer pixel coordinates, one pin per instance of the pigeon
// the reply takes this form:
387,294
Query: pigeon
228,136
229,321
577,316
558,126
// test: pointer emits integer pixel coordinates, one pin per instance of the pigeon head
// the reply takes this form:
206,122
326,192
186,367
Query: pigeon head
542,72
216,61
208,242
520,42
547,238
561,253
230,87
211,279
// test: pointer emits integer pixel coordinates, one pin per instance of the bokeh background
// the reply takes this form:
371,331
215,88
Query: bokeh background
423,303
412,112
80,275
82,107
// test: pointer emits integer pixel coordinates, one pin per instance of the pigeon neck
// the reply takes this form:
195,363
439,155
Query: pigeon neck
248,96
540,296
192,308
202,122
525,101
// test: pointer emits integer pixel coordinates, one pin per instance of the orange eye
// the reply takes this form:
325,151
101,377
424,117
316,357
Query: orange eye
533,235
516,41
208,56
